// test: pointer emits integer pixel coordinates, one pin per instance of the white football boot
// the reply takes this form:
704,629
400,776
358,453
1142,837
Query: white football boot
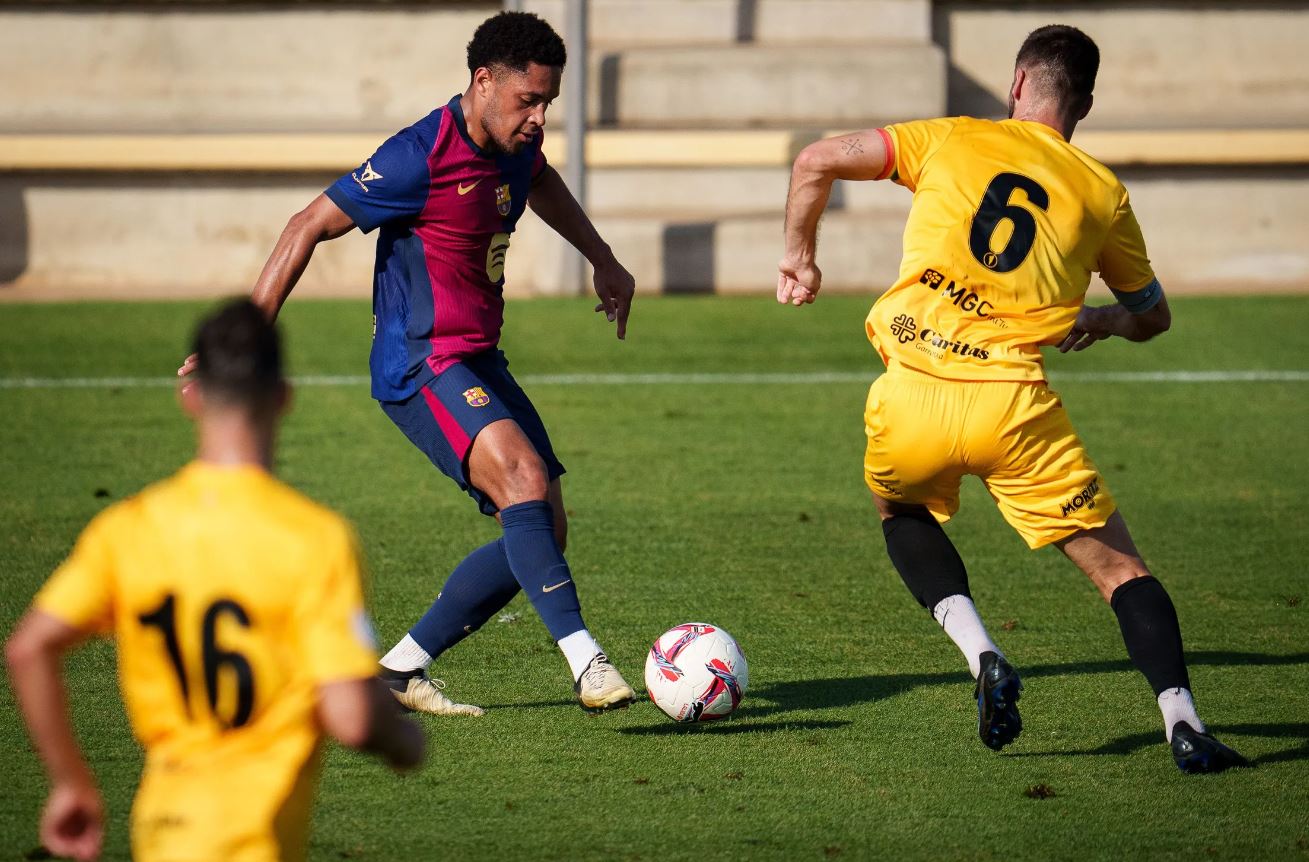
601,687
421,693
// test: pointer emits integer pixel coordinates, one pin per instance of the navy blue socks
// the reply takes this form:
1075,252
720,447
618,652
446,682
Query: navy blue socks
539,566
479,586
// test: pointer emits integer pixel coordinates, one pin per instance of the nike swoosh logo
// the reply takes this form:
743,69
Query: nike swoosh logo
463,189
546,589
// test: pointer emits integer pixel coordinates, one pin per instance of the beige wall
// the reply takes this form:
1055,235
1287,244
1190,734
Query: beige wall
188,236
161,236
1163,64
178,68
375,67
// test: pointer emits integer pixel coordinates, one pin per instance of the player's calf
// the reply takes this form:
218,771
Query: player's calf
1153,637
924,556
934,572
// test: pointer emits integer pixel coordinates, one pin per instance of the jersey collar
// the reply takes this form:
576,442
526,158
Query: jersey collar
208,472
1041,128
457,111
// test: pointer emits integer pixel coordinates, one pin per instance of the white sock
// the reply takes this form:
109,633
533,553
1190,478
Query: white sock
1176,705
406,655
958,616
579,648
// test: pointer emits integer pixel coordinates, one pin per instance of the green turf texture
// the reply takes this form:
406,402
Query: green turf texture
742,505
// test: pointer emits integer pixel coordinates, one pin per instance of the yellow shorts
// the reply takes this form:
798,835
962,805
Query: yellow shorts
238,813
926,433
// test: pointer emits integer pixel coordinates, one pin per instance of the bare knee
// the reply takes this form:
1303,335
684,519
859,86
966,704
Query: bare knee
503,465
522,478
509,478
1106,554
1109,578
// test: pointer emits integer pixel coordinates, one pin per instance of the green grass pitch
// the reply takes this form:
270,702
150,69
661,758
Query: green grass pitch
741,504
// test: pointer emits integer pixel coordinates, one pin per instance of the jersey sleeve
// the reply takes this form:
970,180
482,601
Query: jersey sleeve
393,184
1123,263
913,144
80,592
333,636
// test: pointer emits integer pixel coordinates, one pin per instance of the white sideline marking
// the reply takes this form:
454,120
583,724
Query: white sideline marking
691,379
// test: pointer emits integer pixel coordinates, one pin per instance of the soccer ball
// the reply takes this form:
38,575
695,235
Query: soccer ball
696,672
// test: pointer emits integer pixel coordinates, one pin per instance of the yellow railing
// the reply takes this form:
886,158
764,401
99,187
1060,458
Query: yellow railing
330,153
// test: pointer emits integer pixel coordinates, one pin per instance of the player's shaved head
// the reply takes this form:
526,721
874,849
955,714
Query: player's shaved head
512,40
239,357
1061,63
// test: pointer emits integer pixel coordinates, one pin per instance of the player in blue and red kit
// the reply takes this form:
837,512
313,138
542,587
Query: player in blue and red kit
446,194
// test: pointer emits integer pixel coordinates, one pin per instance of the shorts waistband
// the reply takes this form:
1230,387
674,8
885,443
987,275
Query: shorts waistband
899,369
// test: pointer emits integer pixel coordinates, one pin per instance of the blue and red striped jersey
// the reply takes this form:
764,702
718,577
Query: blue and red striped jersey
446,209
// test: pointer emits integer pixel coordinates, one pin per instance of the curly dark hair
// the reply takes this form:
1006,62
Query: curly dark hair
514,39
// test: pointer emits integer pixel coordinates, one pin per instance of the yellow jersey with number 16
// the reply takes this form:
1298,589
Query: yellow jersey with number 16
1008,222
232,598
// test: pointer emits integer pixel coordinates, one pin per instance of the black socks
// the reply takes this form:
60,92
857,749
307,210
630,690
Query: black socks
925,558
1151,632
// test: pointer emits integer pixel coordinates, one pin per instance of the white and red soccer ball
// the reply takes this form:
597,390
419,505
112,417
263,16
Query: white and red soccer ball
696,672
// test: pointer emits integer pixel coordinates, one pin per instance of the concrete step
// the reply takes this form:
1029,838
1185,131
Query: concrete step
624,23
173,235
759,86
695,194
292,153
733,254
181,67
650,22
835,21
214,67
1197,238
1162,65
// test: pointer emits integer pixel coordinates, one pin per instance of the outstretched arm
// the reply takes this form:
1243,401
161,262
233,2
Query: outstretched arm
857,156
362,714
72,823
554,203
321,220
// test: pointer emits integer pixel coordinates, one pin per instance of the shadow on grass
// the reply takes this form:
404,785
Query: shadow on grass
739,725
531,704
797,695
808,694
1137,741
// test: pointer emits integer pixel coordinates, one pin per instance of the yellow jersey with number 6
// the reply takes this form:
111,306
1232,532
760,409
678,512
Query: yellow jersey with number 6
232,598
1008,222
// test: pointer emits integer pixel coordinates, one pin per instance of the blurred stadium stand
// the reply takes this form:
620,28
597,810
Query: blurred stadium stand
157,148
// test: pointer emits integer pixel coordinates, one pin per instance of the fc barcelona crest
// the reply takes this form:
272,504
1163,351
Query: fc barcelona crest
476,397
503,203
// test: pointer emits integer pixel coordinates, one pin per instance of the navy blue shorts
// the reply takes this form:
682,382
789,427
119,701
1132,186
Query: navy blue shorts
446,415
